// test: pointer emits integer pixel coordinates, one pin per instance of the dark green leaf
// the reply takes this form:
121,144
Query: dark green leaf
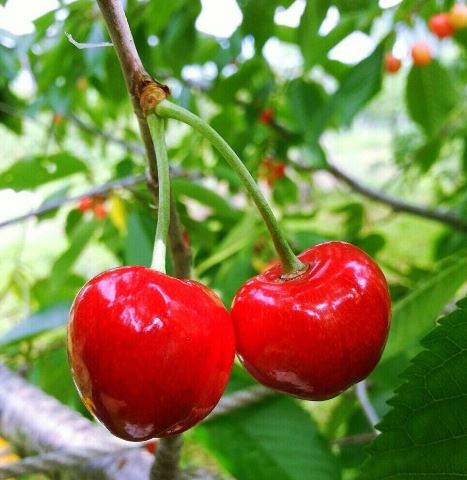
275,439
414,315
424,434
358,87
430,96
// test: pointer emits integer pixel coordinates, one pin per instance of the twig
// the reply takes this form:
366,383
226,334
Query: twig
129,146
51,427
66,441
354,439
362,397
398,205
126,182
82,46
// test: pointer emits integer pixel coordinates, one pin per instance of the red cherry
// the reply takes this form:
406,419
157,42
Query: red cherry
392,64
100,211
266,116
150,354
421,54
317,334
441,25
85,204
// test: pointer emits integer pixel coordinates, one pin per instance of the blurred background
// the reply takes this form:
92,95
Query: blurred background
344,143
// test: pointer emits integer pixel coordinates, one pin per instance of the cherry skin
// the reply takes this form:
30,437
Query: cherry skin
315,335
392,64
441,25
150,354
421,54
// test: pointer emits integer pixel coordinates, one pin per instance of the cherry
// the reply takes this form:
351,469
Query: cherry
271,170
99,210
392,64
266,116
441,25
315,334
150,354
458,16
421,54
85,204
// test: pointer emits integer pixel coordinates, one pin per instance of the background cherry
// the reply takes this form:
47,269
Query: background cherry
421,54
441,25
150,354
266,116
458,16
392,64
317,334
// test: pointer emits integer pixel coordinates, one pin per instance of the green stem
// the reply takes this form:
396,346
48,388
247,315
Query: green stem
156,125
288,259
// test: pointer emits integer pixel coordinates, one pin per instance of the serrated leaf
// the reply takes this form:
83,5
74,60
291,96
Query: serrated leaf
430,96
424,435
39,322
31,172
414,315
273,440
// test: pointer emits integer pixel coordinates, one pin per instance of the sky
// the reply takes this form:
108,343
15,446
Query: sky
218,17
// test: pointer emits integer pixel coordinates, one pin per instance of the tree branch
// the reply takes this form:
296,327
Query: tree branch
126,182
398,205
40,424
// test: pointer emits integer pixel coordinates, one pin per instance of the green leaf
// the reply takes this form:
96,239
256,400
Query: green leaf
31,172
275,439
430,96
361,83
309,41
51,373
244,233
80,236
306,101
39,322
140,239
424,435
220,207
414,315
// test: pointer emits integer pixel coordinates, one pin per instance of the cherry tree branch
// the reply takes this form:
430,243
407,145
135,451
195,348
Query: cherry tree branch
397,204
104,189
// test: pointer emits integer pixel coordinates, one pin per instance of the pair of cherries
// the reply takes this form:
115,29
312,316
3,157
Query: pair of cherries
151,355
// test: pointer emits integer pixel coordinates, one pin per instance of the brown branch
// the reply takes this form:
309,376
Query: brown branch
398,205
130,146
144,92
354,439
126,182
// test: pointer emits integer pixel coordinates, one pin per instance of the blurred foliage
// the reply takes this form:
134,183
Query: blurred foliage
312,106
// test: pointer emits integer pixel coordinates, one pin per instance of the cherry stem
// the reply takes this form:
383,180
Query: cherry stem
156,125
290,262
